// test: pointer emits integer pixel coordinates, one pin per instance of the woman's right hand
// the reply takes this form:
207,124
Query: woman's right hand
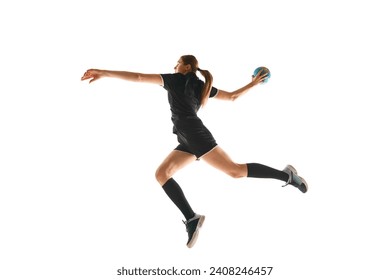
92,75
260,77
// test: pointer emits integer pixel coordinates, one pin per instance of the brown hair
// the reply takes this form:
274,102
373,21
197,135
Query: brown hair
190,59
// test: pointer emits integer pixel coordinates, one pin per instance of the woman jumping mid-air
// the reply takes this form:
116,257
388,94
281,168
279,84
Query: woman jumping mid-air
186,94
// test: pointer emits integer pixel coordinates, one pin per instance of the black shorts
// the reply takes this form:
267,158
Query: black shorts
193,136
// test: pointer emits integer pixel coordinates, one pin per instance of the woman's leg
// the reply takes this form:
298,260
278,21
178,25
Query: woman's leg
175,161
219,159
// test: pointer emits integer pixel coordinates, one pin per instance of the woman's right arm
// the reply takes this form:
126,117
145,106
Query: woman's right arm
95,74
225,95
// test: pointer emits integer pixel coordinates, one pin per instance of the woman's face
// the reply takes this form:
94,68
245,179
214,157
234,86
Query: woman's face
181,68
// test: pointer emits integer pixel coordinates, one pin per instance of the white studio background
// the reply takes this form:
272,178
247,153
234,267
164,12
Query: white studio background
78,196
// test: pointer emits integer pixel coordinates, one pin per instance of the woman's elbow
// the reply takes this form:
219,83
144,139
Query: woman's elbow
228,96
233,97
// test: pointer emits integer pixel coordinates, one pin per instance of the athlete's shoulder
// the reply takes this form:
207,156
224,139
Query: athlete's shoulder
172,80
173,75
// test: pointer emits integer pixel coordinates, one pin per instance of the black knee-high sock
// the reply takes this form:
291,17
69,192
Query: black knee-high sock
175,193
257,170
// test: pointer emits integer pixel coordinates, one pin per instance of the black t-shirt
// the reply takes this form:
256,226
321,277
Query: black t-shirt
184,93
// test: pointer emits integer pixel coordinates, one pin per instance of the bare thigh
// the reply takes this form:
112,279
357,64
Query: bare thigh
219,159
175,161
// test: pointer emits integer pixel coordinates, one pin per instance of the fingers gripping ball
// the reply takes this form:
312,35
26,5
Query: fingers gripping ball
262,70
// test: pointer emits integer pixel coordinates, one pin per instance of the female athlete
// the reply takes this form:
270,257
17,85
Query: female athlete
186,94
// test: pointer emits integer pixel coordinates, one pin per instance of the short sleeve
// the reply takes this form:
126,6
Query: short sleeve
213,92
168,81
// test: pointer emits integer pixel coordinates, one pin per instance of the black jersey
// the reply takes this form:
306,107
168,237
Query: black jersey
184,93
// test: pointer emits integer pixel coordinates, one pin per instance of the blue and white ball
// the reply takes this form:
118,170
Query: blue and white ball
264,70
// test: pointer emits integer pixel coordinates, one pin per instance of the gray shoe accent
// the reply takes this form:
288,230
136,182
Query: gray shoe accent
290,170
197,216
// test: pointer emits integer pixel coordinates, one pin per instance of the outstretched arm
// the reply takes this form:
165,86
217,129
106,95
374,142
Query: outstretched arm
95,74
231,96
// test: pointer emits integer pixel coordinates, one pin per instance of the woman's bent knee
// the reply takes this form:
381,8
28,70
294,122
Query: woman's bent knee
235,175
237,171
162,175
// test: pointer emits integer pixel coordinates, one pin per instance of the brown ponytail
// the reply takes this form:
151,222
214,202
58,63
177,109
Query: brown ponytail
190,59
204,97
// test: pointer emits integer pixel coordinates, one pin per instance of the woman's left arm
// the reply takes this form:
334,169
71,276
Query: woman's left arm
95,74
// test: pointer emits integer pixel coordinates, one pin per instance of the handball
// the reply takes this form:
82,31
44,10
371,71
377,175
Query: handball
263,70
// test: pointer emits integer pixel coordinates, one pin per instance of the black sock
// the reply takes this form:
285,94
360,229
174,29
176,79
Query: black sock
257,170
175,193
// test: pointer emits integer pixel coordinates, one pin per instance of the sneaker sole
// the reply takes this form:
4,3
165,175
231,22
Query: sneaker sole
196,233
304,181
